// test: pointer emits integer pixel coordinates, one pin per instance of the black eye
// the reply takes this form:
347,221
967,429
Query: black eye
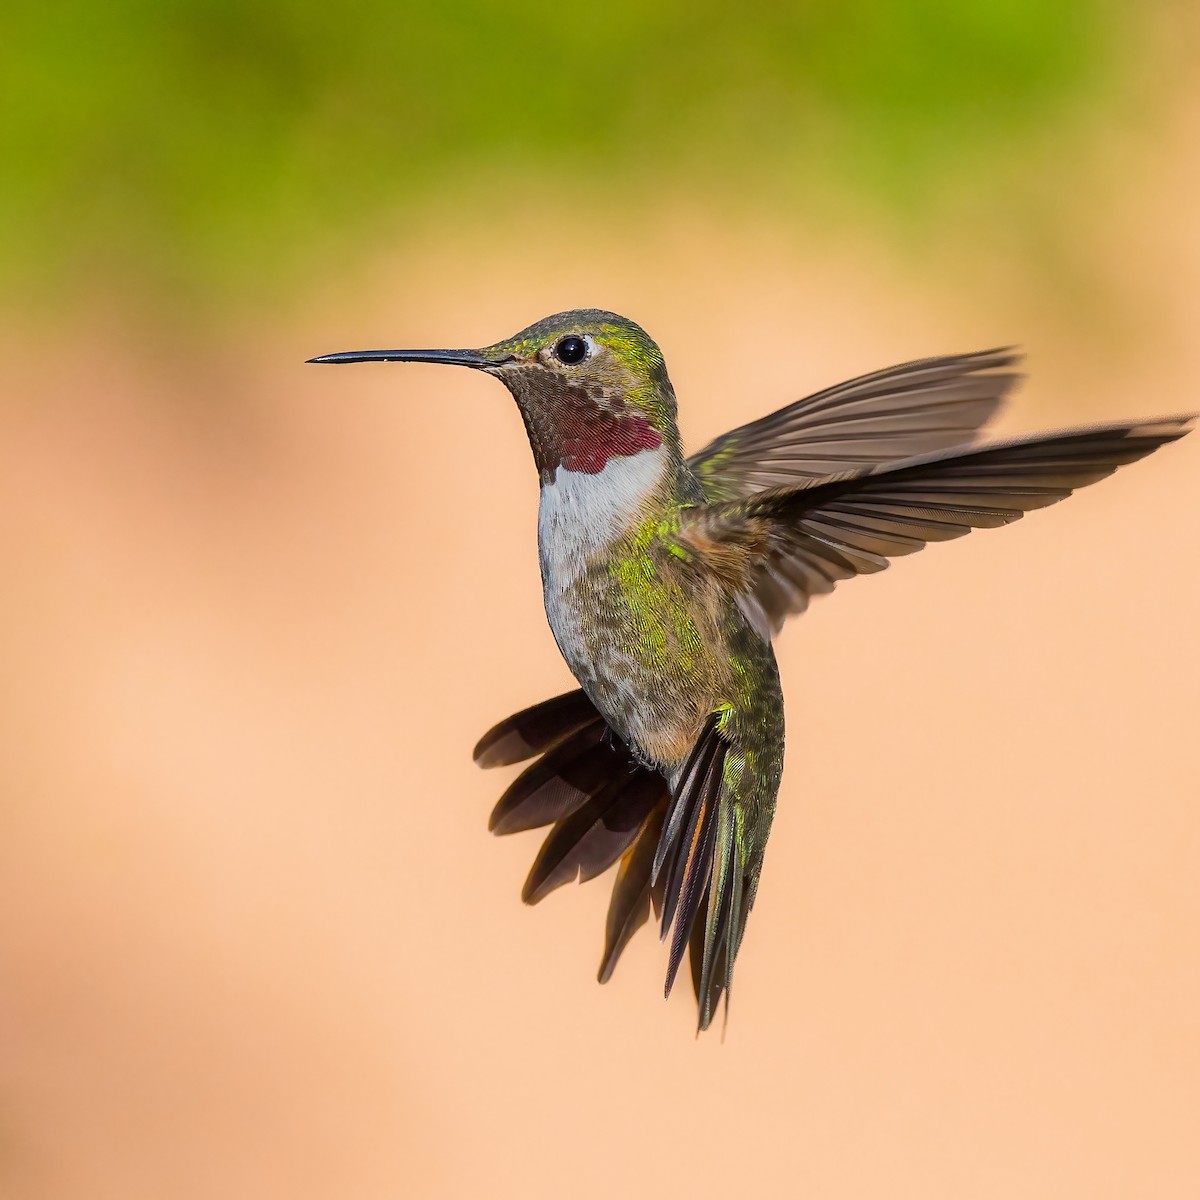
571,350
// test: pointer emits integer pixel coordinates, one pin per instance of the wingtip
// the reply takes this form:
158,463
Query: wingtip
1163,430
1178,425
998,356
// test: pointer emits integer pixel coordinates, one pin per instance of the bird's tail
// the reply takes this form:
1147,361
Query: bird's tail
603,808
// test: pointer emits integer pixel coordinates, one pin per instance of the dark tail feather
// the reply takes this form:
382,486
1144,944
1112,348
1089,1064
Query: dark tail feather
694,769
686,850
712,945
692,870
558,783
588,841
629,908
717,937
678,855
603,804
710,975
534,730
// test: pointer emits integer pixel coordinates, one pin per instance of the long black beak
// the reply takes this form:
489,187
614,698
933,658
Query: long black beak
453,358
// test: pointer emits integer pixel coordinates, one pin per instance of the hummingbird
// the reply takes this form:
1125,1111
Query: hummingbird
666,578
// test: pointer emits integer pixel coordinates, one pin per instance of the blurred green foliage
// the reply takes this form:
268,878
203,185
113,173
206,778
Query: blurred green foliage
207,143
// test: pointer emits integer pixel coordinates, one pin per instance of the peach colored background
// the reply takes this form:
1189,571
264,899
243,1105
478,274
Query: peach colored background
256,940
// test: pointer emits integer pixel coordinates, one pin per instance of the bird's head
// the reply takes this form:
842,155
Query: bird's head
591,386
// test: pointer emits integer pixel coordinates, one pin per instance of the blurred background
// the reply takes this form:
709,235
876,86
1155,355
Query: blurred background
254,937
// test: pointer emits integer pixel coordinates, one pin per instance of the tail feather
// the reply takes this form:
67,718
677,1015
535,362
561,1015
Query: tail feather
557,784
588,841
685,856
632,894
534,730
602,803
678,855
712,945
693,859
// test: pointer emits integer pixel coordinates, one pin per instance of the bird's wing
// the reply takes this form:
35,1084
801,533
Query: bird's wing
911,409
778,548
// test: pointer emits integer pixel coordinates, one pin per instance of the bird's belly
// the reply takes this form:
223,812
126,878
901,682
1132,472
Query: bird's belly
651,665
652,647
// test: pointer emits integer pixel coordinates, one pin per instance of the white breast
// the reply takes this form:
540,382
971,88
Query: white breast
581,514
579,517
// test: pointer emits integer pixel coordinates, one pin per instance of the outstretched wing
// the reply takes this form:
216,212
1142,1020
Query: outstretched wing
914,408
780,547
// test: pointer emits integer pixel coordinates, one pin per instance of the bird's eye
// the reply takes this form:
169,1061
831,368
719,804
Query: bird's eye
571,350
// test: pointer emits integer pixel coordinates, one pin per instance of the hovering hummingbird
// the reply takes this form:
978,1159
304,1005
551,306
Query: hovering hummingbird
665,579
